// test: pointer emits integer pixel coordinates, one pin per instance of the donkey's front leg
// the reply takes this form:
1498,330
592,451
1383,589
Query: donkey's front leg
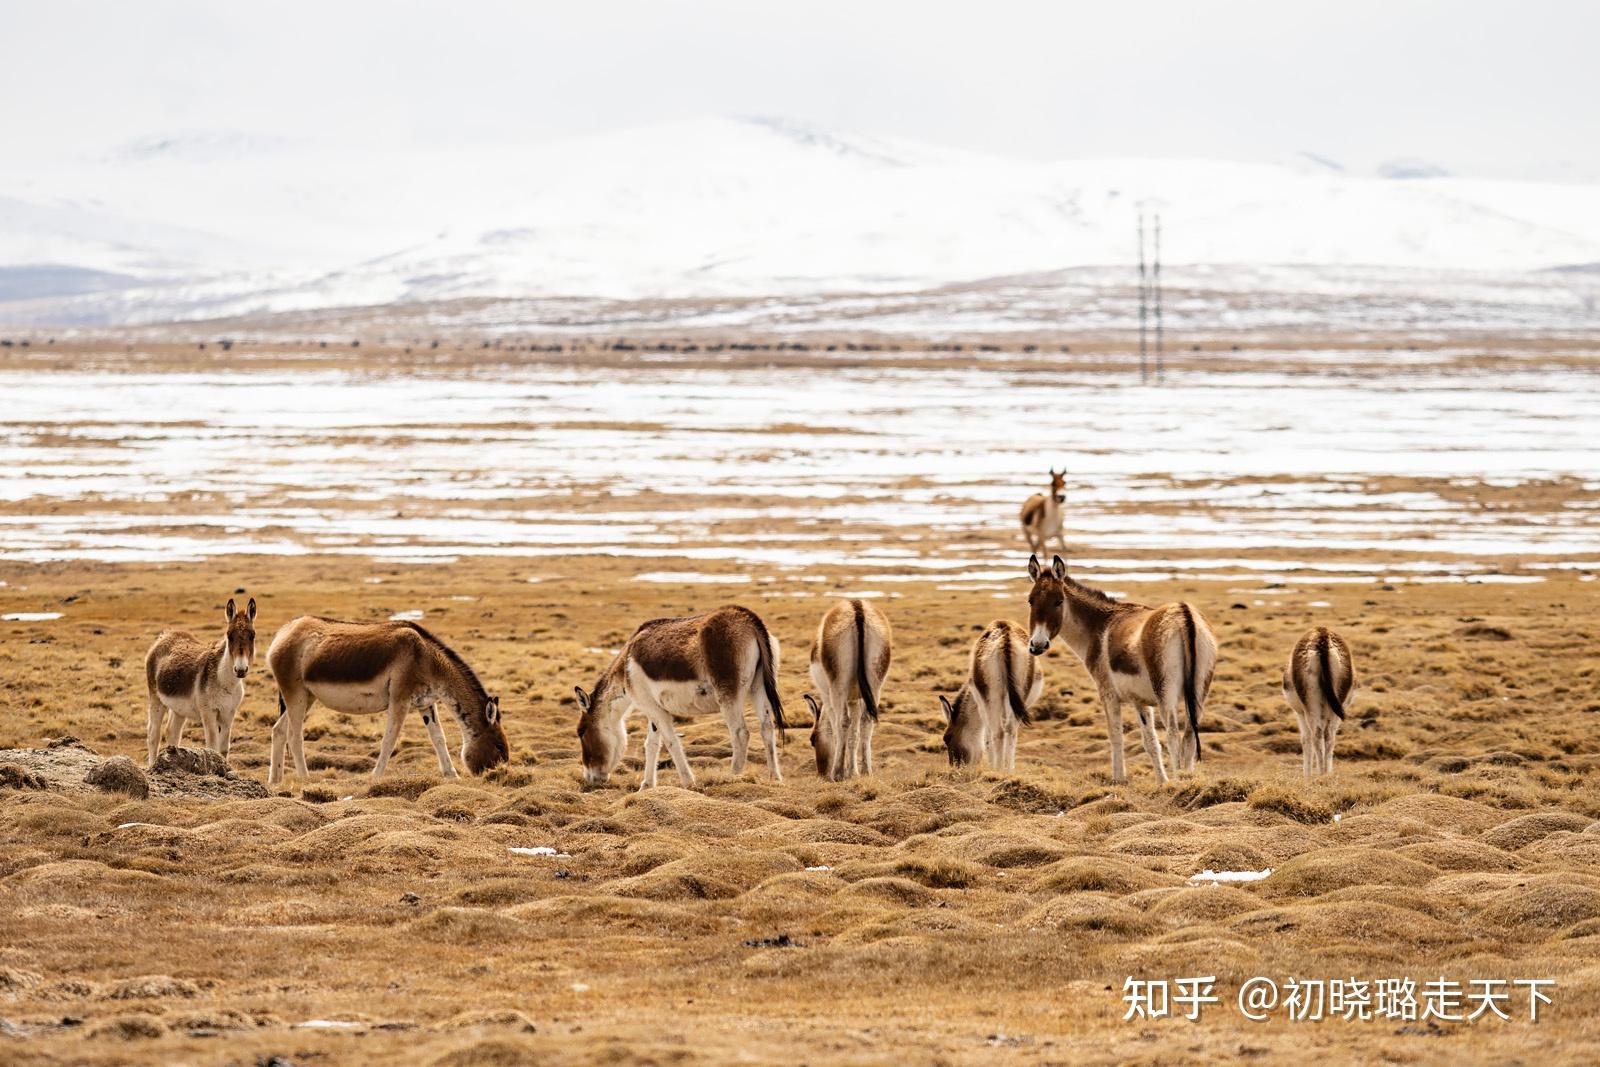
661,719
1113,710
430,719
652,757
157,711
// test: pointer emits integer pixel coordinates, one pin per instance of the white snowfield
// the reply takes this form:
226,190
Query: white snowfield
712,207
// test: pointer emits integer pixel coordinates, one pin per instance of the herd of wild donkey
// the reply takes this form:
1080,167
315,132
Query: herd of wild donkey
1158,659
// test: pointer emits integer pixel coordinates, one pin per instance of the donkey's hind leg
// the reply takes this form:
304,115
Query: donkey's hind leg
1152,741
738,733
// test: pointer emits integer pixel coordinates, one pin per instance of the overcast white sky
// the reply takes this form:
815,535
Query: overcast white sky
1508,89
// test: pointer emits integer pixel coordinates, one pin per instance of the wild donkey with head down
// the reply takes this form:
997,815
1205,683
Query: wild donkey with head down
693,665
1004,682
849,661
392,667
190,679
1316,684
1041,515
1153,658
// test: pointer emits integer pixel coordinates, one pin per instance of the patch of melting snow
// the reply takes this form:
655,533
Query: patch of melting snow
540,850
1214,877
406,616
31,616
329,1024
602,651
1319,604
824,867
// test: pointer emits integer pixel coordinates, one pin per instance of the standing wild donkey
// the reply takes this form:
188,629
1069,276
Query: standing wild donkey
710,662
849,661
1153,658
1003,684
190,679
365,668
1041,515
1316,683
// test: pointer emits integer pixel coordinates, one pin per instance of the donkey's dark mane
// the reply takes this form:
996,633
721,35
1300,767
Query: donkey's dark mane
1096,596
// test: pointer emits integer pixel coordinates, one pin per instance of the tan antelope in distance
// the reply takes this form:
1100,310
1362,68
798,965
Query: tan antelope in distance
366,668
1041,515
703,663
849,662
1004,682
1157,659
1316,683
189,679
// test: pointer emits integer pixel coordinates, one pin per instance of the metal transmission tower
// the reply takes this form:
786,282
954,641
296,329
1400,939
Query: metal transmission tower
1156,285
1144,294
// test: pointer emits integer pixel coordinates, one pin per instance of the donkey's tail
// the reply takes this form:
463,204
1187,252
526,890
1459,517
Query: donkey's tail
1330,696
862,682
769,672
1018,708
1191,664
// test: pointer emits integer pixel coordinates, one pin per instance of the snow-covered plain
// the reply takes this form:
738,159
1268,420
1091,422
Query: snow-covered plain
231,225
1243,477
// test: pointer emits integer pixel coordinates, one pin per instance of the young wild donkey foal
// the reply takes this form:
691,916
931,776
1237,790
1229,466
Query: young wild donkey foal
849,661
710,662
190,679
365,668
1153,658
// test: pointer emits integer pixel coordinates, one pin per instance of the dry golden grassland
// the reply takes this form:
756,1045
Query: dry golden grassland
922,915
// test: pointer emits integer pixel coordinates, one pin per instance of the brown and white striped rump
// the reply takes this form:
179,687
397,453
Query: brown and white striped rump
1159,659
1042,515
849,662
684,666
1003,683
1317,683
389,667
187,679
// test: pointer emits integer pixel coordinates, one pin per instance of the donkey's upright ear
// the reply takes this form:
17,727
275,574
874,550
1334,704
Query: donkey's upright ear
816,712
949,712
583,698
1058,567
230,609
250,609
491,710
1033,567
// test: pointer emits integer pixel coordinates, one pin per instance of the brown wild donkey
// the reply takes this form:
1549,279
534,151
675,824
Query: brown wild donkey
849,662
1003,683
1041,515
698,664
392,667
189,679
1316,683
1153,658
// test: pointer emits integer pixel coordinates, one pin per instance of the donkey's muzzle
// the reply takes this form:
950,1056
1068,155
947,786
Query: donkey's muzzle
240,672
1038,648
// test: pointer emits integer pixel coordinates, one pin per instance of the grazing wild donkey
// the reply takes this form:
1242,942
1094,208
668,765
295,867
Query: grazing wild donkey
698,664
1152,658
849,661
1003,684
1316,683
1041,515
190,679
393,667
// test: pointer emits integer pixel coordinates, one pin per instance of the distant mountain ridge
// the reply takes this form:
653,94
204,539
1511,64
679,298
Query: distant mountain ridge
211,224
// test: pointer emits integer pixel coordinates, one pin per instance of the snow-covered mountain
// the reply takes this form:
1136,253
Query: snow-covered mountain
224,224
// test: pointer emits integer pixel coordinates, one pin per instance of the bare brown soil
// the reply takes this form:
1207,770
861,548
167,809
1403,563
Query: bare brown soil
961,917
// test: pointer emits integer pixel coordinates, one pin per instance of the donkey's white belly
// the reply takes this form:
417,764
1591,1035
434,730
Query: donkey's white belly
361,698
1135,688
684,698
